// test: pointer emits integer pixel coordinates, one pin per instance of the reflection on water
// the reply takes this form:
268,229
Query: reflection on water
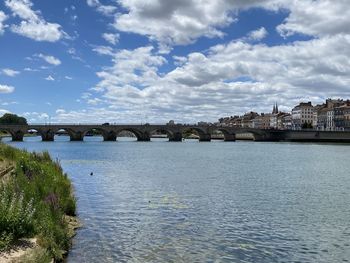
207,202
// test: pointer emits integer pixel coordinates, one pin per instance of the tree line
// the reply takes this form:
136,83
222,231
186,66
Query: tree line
9,118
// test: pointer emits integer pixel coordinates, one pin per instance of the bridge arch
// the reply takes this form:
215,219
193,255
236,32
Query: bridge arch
16,131
249,134
173,136
202,134
7,131
34,131
140,135
227,135
74,135
94,131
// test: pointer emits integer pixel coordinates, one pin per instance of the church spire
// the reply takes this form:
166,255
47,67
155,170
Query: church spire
275,108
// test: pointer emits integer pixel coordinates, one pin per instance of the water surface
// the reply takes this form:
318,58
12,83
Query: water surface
207,202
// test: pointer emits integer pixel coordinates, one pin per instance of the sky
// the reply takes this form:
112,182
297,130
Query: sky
137,61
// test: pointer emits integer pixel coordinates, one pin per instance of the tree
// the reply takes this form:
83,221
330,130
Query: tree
9,118
307,125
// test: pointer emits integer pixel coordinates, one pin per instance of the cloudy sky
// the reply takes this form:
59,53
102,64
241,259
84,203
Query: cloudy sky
133,61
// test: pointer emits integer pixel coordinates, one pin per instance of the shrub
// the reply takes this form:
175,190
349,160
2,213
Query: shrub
34,201
16,216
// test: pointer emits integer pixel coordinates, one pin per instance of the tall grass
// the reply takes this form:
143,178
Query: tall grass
16,216
34,200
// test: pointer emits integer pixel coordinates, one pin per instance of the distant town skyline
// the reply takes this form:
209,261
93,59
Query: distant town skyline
155,61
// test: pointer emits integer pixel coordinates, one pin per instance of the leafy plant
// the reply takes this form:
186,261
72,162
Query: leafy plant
34,200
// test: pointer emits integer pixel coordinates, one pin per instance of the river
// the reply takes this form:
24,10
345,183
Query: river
206,202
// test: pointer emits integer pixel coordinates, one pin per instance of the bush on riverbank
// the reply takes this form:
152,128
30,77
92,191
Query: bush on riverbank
34,200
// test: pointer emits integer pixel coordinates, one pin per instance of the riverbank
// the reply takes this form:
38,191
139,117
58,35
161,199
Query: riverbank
37,207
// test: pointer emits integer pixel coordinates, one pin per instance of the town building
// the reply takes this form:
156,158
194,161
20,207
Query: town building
257,122
317,109
333,115
274,117
326,115
247,119
342,117
302,115
286,121
232,121
266,120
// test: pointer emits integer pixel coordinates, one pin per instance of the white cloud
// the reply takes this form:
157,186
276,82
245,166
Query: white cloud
3,17
137,67
7,103
33,25
317,18
258,34
49,59
103,50
35,117
10,72
94,101
72,51
180,22
3,111
38,31
227,79
107,10
30,69
111,38
50,78
60,111
68,77
6,88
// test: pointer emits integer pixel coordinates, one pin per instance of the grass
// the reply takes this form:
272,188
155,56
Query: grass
40,255
34,201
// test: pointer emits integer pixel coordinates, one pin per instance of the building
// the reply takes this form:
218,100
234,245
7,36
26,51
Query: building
317,109
322,118
346,114
257,122
302,115
266,120
286,121
342,117
333,115
232,121
274,117
247,119
327,113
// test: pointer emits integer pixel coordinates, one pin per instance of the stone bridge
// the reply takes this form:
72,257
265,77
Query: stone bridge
142,132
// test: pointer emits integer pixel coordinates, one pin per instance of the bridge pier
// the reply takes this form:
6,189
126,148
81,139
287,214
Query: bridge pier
109,137
76,136
48,136
17,136
144,137
205,137
229,137
177,137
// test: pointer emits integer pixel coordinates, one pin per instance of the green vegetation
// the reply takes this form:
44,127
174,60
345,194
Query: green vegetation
306,125
189,133
35,199
9,118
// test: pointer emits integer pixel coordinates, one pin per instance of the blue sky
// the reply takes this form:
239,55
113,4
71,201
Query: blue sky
134,61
